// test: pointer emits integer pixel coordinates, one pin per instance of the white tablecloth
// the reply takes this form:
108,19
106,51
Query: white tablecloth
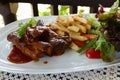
107,73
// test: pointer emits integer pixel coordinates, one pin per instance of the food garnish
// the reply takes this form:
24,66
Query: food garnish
22,27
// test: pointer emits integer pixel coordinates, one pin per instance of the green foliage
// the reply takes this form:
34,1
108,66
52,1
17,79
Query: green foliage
64,10
81,11
45,13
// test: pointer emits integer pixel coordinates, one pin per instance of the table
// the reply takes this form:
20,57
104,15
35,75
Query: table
107,73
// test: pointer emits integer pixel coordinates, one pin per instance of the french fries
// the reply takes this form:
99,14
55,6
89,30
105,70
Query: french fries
74,25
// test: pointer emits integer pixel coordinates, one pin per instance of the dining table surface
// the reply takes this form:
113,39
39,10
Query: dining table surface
106,73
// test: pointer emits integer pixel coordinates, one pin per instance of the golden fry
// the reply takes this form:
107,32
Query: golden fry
63,28
82,28
70,20
60,32
54,25
77,36
88,26
74,28
80,19
80,38
59,26
63,20
74,46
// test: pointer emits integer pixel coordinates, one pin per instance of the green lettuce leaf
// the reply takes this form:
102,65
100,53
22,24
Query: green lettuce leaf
23,26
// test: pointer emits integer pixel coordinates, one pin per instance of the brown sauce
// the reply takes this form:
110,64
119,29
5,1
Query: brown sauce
45,62
16,56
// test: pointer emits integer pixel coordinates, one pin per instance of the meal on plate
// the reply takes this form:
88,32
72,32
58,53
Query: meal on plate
95,35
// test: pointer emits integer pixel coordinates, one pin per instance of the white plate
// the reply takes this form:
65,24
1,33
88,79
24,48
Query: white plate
70,61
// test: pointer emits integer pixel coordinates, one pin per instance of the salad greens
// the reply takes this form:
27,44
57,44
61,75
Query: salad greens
22,26
106,48
94,21
107,15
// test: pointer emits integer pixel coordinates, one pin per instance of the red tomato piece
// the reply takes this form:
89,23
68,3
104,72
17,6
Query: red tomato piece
92,53
80,43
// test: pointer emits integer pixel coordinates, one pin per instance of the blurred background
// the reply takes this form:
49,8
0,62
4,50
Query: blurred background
25,11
